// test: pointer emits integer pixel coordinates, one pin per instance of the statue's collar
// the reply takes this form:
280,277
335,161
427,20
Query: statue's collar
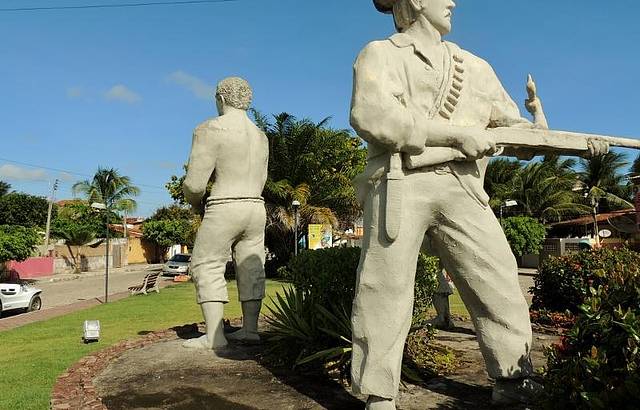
402,40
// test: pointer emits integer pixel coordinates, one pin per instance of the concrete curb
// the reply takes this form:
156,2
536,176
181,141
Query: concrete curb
64,277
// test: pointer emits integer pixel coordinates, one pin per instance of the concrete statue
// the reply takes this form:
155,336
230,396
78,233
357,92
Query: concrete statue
231,152
429,112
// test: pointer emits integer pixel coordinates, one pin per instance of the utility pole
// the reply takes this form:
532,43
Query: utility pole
51,199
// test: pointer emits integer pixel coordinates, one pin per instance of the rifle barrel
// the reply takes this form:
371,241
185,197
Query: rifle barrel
552,140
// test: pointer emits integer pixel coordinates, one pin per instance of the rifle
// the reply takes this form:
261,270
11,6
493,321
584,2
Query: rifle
536,140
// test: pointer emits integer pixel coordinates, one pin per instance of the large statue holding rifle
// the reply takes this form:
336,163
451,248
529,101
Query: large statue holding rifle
433,114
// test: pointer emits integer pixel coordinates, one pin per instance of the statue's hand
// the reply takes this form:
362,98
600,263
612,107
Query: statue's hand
477,144
534,105
596,148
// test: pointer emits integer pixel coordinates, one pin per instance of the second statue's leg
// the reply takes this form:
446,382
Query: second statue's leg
250,314
249,256
214,338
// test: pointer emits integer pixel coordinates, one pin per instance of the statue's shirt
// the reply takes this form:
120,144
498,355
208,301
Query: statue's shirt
400,85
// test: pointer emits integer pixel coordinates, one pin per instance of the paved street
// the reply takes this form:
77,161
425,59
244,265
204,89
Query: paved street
60,297
91,287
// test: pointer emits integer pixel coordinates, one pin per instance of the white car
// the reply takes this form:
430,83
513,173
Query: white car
178,265
19,296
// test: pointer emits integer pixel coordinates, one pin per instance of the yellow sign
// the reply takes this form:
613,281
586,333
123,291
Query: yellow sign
320,236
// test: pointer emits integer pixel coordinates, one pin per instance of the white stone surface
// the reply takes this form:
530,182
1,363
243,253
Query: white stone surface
233,153
415,94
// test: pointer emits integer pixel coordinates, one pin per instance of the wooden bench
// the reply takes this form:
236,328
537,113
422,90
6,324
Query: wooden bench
149,284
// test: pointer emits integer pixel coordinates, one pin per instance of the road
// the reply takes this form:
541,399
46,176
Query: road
64,293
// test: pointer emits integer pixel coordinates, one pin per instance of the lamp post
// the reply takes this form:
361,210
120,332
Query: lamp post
508,203
103,207
296,207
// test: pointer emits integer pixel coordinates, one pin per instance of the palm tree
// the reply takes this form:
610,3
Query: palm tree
110,188
313,164
76,235
5,187
603,181
546,190
281,221
635,168
499,180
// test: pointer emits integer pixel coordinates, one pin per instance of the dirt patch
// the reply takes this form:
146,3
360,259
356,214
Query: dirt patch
164,375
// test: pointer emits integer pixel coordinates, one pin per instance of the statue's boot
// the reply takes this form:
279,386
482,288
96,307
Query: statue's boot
380,403
214,338
249,331
513,391
443,319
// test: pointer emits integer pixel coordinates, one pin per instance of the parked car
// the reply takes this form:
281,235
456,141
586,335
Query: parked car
19,296
177,265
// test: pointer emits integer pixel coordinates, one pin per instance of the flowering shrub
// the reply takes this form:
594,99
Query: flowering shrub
563,282
597,363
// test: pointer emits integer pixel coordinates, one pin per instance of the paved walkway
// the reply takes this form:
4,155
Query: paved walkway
67,293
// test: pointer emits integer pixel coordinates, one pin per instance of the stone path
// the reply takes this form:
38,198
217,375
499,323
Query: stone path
158,373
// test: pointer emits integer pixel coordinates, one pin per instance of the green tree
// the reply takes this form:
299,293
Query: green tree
190,222
545,190
78,236
313,164
5,188
525,234
323,158
110,188
17,242
500,179
603,182
166,233
635,168
25,210
79,214
172,212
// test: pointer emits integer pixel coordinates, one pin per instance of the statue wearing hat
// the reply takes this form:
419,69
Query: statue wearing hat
426,108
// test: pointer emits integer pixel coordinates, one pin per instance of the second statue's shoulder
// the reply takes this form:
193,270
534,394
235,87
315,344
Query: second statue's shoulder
212,124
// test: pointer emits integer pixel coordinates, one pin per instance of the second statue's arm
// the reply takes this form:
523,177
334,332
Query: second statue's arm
200,169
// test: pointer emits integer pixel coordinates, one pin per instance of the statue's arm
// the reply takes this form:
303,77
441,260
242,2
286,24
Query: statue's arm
379,111
505,113
201,165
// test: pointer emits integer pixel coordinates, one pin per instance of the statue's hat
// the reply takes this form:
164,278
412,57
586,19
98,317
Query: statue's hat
385,6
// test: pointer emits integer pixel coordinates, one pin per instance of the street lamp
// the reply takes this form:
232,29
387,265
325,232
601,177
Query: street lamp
296,207
103,207
507,204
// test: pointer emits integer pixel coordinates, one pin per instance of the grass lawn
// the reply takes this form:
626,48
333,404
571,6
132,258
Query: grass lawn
455,304
34,355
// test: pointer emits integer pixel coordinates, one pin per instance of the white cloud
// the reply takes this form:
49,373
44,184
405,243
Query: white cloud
197,86
76,92
121,93
14,172
67,177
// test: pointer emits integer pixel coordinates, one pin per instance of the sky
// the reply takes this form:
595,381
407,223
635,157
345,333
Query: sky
124,87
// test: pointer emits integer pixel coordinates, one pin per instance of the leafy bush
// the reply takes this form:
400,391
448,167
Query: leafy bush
325,274
25,210
17,242
311,322
563,282
525,235
597,364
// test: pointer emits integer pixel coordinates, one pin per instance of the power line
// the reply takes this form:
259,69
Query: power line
68,172
117,5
